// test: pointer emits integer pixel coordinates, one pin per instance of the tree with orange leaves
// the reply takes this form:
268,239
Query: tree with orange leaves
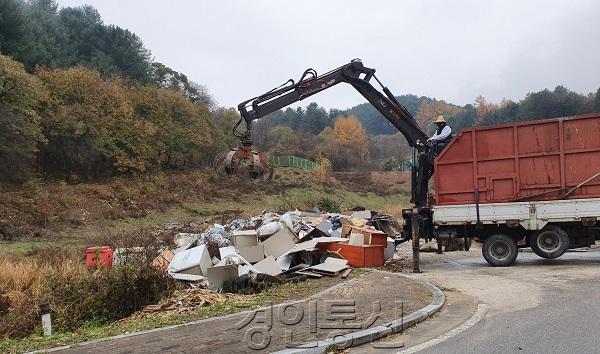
346,145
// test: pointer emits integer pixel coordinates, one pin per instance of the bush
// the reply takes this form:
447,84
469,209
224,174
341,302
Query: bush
106,295
329,205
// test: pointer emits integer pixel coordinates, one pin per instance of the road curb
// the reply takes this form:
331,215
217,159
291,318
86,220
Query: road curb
353,339
159,329
372,334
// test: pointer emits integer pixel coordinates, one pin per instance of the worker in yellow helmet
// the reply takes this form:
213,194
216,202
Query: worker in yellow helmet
442,135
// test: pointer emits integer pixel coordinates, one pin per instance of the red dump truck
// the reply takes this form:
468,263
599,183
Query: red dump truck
530,184
533,184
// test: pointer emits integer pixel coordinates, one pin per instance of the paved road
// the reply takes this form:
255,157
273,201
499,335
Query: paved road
536,306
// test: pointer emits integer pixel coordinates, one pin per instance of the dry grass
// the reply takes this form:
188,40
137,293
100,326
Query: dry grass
54,223
75,294
24,286
395,210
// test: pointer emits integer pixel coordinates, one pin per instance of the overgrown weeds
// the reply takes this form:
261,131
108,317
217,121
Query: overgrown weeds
75,294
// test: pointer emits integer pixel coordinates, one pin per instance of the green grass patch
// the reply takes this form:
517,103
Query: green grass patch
359,271
21,248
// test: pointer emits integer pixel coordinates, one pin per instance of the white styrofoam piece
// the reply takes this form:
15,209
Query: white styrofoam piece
187,277
187,261
284,261
390,248
245,233
224,251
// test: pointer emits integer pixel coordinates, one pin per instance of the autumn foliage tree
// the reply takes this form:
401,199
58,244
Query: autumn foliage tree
182,131
284,141
346,144
430,109
484,108
20,131
91,126
98,127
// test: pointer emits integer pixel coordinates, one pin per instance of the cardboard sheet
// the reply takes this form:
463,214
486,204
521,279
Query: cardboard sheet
217,275
356,239
268,266
252,254
278,244
245,238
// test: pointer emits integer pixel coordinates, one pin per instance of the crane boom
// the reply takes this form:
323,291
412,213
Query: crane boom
357,75
353,73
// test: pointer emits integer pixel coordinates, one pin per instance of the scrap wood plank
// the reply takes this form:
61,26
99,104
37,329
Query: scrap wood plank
326,271
346,273
296,268
309,273
331,266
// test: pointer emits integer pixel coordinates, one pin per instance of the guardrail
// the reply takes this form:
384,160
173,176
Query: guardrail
293,161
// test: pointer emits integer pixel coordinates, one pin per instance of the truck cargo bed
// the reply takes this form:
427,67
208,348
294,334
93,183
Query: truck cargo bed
530,215
537,160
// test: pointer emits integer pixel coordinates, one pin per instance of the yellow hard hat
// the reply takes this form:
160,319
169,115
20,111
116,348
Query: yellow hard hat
440,119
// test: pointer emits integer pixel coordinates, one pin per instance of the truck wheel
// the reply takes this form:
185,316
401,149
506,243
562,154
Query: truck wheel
500,250
551,242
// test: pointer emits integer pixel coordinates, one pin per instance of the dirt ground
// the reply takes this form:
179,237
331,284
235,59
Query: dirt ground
56,214
380,182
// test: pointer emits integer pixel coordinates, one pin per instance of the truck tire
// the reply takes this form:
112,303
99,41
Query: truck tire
550,242
500,250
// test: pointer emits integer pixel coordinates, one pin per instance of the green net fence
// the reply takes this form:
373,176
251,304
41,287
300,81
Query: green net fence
293,161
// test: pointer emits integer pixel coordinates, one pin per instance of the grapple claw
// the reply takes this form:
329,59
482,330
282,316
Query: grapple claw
244,162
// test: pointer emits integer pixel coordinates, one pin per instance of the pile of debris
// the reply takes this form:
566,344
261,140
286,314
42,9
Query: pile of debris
186,302
276,247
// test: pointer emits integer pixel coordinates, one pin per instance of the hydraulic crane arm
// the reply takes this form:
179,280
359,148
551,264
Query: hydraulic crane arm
353,73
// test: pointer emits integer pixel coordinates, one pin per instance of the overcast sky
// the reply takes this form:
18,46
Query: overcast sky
451,50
